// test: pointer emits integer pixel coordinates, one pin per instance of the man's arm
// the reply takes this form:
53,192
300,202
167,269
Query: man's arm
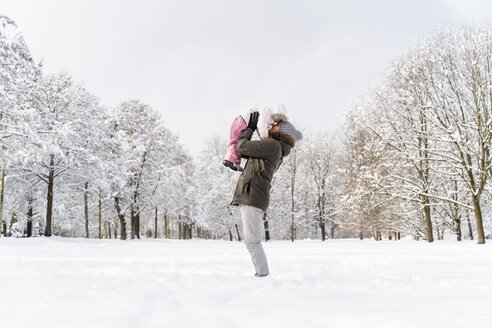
258,149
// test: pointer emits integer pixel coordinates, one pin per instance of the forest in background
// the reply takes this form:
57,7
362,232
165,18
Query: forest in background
411,159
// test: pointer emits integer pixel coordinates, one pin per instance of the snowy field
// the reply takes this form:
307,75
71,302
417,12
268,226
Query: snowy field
155,283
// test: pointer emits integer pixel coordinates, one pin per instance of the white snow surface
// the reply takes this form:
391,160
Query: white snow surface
56,282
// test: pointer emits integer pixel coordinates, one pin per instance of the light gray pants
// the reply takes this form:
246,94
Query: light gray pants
252,218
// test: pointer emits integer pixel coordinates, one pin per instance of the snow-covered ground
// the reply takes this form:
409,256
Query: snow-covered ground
155,283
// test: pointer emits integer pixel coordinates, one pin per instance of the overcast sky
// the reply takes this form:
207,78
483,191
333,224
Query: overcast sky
200,63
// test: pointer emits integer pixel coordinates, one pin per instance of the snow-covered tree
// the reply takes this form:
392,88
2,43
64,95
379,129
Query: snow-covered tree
215,188
18,76
150,152
321,168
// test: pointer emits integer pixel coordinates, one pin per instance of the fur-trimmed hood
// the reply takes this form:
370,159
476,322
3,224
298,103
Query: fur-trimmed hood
286,142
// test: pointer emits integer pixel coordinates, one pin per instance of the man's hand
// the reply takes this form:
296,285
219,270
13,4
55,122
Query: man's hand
253,121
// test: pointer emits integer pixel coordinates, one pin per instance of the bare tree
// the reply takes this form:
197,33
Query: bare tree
320,161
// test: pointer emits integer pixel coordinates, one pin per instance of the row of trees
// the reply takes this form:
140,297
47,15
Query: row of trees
71,166
413,158
420,145
304,193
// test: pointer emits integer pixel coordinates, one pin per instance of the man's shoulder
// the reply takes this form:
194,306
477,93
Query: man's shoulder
270,141
272,144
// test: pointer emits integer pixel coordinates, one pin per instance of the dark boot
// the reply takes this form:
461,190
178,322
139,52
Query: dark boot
261,275
229,164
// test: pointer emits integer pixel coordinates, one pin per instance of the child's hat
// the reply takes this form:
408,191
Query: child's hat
279,117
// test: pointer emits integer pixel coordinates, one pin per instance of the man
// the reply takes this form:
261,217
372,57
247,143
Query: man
253,188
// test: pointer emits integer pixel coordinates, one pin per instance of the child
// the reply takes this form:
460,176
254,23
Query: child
268,116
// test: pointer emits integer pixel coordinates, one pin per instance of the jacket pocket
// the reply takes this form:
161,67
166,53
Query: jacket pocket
246,187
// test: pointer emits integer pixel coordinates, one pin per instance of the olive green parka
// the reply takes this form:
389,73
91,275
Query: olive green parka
264,158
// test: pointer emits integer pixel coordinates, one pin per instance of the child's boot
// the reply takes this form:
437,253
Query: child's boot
229,164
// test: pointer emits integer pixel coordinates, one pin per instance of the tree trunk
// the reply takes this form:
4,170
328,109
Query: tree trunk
123,235
323,228
105,233
424,170
132,222
458,229
166,226
49,206
155,226
238,235
171,226
135,222
121,217
265,223
321,210
230,235
470,229
86,209
137,225
166,218
29,218
179,230
428,221
292,199
456,213
478,219
2,189
99,212
292,229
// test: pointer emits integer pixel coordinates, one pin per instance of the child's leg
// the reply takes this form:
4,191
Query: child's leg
237,127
